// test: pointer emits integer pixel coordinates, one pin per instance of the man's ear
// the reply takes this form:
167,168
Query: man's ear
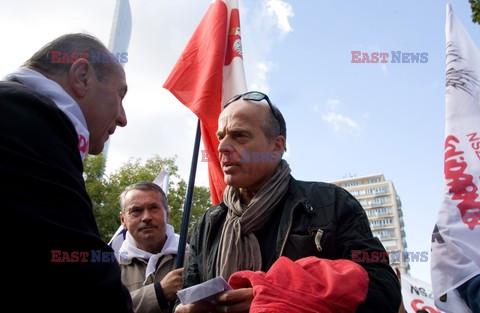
79,77
279,144
122,220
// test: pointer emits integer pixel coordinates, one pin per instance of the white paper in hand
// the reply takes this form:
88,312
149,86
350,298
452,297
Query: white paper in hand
205,291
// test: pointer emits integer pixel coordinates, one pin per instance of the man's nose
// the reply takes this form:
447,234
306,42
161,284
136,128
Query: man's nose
147,216
122,118
222,146
227,151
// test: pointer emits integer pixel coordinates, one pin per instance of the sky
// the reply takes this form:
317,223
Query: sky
343,118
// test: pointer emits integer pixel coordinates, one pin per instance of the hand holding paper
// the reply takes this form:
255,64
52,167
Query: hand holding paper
238,300
203,292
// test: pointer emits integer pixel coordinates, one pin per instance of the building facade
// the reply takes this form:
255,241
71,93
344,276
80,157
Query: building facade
384,210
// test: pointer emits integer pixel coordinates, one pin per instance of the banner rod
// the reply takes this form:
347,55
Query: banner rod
187,206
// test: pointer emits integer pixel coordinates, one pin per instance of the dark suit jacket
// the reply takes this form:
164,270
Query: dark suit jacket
56,260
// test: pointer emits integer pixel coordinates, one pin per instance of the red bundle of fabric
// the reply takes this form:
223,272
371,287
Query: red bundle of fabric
306,285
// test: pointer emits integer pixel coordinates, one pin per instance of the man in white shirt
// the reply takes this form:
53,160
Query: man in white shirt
147,257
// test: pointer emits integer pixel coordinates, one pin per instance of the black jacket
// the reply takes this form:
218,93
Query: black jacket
47,215
312,211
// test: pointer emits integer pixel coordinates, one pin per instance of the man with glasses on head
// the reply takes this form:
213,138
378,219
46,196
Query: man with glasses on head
266,214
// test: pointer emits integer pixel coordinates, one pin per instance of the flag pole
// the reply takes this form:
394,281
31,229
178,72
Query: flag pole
187,206
119,41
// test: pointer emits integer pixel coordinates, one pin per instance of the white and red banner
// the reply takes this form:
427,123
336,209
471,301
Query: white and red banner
417,295
207,74
456,237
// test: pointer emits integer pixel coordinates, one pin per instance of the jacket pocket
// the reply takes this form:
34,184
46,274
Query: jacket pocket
313,241
300,246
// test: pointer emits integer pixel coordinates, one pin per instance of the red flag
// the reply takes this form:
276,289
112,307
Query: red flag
209,72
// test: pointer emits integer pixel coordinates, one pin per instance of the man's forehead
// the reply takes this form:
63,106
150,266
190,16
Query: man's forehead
139,194
234,120
241,112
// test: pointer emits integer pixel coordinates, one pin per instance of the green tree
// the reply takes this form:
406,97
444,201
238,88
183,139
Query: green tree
93,169
475,4
105,189
200,203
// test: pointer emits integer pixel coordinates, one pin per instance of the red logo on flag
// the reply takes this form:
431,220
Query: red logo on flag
416,303
82,144
462,186
234,43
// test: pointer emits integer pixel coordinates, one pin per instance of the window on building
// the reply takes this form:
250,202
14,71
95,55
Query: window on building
384,234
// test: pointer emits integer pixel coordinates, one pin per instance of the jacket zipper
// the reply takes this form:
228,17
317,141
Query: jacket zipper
288,230
207,255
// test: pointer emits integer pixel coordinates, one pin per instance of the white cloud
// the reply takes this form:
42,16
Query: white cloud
260,80
260,34
332,104
282,11
339,122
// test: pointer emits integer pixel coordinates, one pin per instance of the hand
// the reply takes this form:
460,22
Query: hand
171,283
199,307
236,301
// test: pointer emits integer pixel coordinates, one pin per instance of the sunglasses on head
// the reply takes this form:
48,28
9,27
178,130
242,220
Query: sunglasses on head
256,96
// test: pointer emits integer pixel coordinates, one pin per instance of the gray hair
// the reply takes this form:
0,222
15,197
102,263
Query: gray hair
272,128
78,43
143,186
